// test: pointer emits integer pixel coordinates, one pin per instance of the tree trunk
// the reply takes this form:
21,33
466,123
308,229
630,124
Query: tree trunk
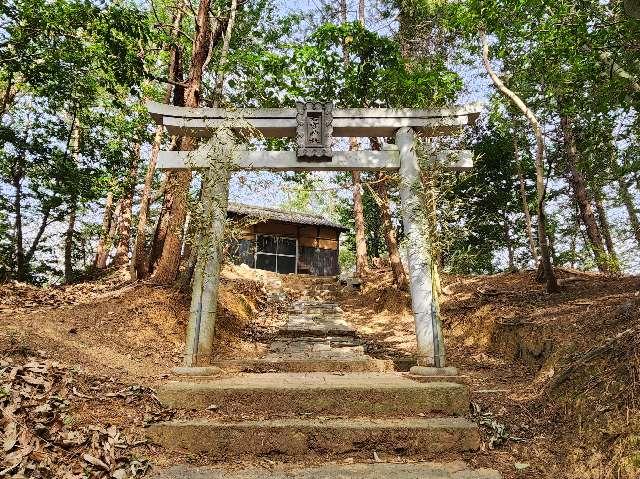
525,203
139,261
191,248
8,95
36,240
509,244
382,198
574,236
126,210
632,212
17,176
68,243
579,187
605,227
178,182
175,74
73,206
358,213
358,209
109,240
102,252
547,265
217,94
141,257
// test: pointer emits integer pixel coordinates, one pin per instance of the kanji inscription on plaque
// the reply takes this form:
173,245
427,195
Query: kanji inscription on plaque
314,129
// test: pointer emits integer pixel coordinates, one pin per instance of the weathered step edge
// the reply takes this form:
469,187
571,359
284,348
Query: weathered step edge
318,398
295,332
305,437
356,365
421,470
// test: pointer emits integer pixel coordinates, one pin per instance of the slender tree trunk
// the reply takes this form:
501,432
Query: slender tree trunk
525,203
605,228
36,241
17,176
126,210
579,187
358,208
224,53
161,227
68,243
8,95
73,206
551,234
100,261
139,261
574,236
632,211
547,265
358,214
178,182
382,198
509,243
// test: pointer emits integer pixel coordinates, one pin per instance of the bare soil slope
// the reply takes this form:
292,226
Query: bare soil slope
554,379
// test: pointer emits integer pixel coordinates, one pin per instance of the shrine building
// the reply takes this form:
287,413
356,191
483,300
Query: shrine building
284,241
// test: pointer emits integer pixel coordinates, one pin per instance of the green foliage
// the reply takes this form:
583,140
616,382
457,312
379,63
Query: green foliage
66,65
374,75
71,50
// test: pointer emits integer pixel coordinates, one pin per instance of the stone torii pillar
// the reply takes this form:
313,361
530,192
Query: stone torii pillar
424,302
209,244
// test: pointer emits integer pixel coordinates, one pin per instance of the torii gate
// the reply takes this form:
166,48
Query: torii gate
313,125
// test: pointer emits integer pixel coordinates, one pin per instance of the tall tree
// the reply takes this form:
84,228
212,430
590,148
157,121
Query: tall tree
126,208
525,202
354,144
543,241
103,247
178,182
581,195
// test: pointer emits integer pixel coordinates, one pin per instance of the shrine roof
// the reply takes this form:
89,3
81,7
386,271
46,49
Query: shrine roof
287,216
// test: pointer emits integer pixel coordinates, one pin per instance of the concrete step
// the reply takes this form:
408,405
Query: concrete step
292,394
421,470
409,437
299,326
314,346
290,365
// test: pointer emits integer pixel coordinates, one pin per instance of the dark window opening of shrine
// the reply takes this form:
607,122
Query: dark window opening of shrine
276,253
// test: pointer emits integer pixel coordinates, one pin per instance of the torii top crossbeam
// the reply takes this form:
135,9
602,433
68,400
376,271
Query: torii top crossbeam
349,122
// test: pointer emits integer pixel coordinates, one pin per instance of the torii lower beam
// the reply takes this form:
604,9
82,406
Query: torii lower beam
453,160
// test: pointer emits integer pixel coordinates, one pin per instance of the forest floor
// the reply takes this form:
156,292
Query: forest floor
554,379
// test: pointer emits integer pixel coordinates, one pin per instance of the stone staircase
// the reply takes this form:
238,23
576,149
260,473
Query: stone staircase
322,400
